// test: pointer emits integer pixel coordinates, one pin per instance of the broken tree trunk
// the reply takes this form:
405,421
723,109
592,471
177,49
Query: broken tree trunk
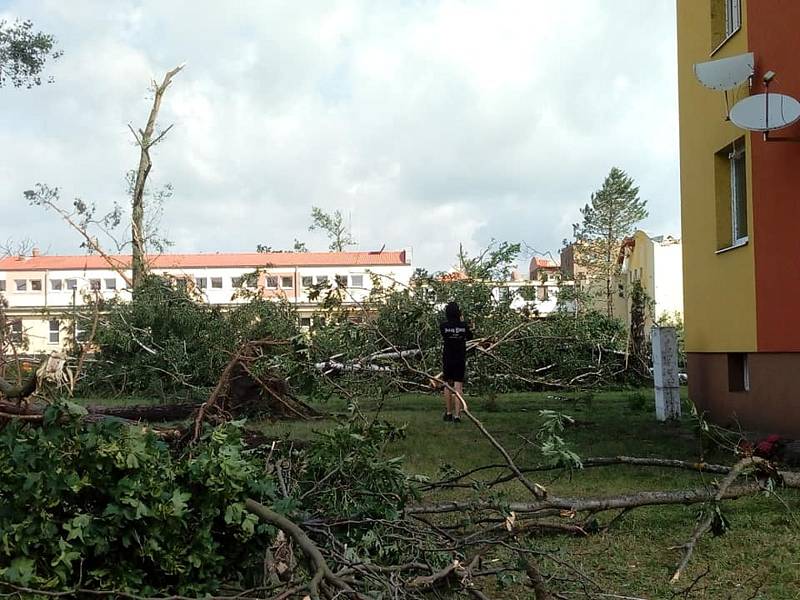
145,140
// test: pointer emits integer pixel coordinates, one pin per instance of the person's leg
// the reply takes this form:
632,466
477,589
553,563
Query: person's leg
448,401
459,388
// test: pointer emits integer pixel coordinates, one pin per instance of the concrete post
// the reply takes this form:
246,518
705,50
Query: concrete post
665,373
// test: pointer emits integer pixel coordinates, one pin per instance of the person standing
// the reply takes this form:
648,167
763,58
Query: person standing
455,333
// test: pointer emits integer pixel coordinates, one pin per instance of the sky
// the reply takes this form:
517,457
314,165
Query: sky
427,123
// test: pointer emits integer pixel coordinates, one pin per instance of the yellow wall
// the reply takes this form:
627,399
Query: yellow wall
640,261
719,289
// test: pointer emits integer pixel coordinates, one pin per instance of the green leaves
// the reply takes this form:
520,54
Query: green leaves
23,54
347,473
135,515
20,571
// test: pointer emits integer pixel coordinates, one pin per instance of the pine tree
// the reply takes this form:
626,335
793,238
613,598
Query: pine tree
610,217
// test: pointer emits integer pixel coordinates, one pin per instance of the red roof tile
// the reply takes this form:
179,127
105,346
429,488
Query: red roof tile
542,263
219,260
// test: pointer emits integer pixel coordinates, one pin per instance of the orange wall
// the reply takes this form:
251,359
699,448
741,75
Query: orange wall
774,37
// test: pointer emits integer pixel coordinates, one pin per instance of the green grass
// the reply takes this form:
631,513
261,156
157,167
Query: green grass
761,551
633,558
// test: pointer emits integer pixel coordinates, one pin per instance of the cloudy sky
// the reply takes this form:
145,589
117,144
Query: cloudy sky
426,122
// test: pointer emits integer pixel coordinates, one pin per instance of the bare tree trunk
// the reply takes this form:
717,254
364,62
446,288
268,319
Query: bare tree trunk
145,140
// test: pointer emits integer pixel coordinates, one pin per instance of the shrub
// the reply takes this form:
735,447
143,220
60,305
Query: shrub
108,506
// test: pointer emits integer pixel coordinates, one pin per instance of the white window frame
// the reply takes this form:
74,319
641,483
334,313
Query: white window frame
733,17
21,285
54,335
360,283
201,283
237,282
57,285
36,282
71,284
2,285
112,281
95,284
214,281
738,168
283,281
16,331
322,279
271,282
307,281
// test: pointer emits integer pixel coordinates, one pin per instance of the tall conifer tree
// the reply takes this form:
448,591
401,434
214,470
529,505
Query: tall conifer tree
610,217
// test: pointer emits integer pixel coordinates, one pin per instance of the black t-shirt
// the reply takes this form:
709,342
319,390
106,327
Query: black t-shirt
455,335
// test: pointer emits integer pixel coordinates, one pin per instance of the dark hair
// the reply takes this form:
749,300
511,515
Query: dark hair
452,312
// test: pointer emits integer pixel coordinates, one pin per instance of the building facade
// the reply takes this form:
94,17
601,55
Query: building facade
41,293
740,214
656,263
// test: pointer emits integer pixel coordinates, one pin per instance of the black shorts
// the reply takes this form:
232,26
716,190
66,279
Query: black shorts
454,370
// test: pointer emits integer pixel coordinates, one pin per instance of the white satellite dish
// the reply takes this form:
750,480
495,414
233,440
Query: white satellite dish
726,73
765,112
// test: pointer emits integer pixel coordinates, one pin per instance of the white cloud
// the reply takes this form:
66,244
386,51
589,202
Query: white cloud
428,123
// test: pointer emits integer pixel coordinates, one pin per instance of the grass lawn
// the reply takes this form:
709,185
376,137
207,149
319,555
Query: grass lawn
759,558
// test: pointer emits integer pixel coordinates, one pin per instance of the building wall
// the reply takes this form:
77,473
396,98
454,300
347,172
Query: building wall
37,307
773,36
769,406
742,324
668,282
719,287
658,266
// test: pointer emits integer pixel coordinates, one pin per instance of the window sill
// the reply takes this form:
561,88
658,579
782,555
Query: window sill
725,40
738,244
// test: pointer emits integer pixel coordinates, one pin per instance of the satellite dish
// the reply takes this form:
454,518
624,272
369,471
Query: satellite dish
765,112
726,73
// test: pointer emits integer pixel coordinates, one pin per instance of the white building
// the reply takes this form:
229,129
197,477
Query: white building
42,292
656,263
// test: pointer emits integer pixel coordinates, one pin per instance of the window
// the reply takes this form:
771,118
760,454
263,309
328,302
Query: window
305,321
730,166
55,331
287,282
236,282
272,281
726,19
16,331
357,281
94,285
2,285
738,168
72,284
111,284
216,283
56,285
21,285
341,280
36,285
201,282
322,279
307,281
738,373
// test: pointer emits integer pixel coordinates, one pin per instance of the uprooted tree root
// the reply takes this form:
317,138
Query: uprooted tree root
245,390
